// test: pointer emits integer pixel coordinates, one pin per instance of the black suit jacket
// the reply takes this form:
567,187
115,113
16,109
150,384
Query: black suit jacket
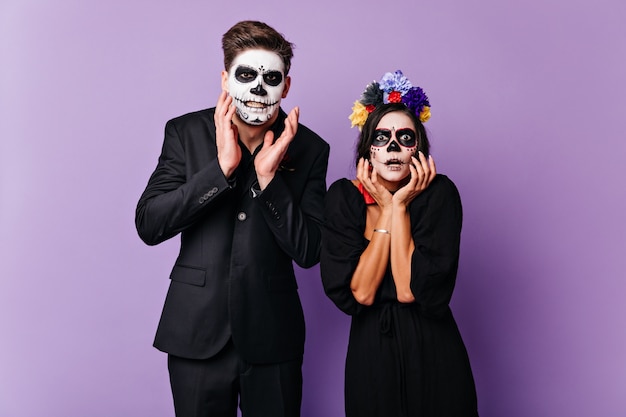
234,274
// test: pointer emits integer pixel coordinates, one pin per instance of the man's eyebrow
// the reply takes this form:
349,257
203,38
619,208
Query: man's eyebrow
245,66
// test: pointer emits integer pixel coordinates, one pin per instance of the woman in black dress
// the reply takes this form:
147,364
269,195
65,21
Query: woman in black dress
389,259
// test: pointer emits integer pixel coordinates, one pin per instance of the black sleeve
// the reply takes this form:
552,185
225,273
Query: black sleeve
171,201
342,243
296,224
436,222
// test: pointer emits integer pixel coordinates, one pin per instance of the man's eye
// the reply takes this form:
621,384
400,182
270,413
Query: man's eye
273,78
245,75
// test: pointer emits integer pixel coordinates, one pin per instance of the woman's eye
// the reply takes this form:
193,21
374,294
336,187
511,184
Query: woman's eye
406,137
381,137
380,140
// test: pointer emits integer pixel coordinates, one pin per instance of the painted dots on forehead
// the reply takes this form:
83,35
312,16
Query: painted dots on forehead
261,60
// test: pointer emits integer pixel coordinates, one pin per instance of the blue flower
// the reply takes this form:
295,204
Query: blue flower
395,81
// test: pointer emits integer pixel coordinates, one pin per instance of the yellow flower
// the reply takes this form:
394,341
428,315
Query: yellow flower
425,114
359,114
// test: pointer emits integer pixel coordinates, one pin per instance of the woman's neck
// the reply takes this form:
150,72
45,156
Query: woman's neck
393,186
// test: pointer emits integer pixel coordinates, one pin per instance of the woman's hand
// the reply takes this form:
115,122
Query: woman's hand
369,178
423,172
228,150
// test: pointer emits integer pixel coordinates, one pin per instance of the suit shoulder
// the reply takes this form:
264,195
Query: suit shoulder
310,138
193,118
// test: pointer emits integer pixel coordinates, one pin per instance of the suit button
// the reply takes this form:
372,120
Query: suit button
202,199
241,216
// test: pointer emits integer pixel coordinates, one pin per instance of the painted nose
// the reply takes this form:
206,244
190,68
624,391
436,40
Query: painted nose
259,90
393,147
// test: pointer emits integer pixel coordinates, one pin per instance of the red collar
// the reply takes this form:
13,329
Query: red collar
366,196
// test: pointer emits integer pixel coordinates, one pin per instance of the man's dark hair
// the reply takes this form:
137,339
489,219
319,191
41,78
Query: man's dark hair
250,34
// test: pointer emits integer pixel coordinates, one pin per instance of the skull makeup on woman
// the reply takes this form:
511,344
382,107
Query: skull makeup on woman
393,145
389,257
257,83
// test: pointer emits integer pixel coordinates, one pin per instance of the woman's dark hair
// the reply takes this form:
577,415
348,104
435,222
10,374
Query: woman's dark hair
251,34
369,128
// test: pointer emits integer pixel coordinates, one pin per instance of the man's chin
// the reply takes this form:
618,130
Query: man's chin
255,118
251,118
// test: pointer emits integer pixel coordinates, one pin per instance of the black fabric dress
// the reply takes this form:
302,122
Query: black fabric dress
404,360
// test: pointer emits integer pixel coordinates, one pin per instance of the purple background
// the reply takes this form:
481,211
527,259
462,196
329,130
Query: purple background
528,101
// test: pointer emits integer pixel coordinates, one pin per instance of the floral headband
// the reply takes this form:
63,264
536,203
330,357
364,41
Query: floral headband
392,88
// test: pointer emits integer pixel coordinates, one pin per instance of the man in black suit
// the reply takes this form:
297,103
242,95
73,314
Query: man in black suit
243,183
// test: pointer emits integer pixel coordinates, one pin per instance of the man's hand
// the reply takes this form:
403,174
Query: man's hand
269,157
228,150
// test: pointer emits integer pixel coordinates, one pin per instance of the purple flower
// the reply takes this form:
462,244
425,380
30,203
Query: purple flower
415,99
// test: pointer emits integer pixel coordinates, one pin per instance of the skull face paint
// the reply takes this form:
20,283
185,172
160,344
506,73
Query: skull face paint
256,81
394,144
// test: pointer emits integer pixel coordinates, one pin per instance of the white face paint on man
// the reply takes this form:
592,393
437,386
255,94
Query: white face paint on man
256,81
